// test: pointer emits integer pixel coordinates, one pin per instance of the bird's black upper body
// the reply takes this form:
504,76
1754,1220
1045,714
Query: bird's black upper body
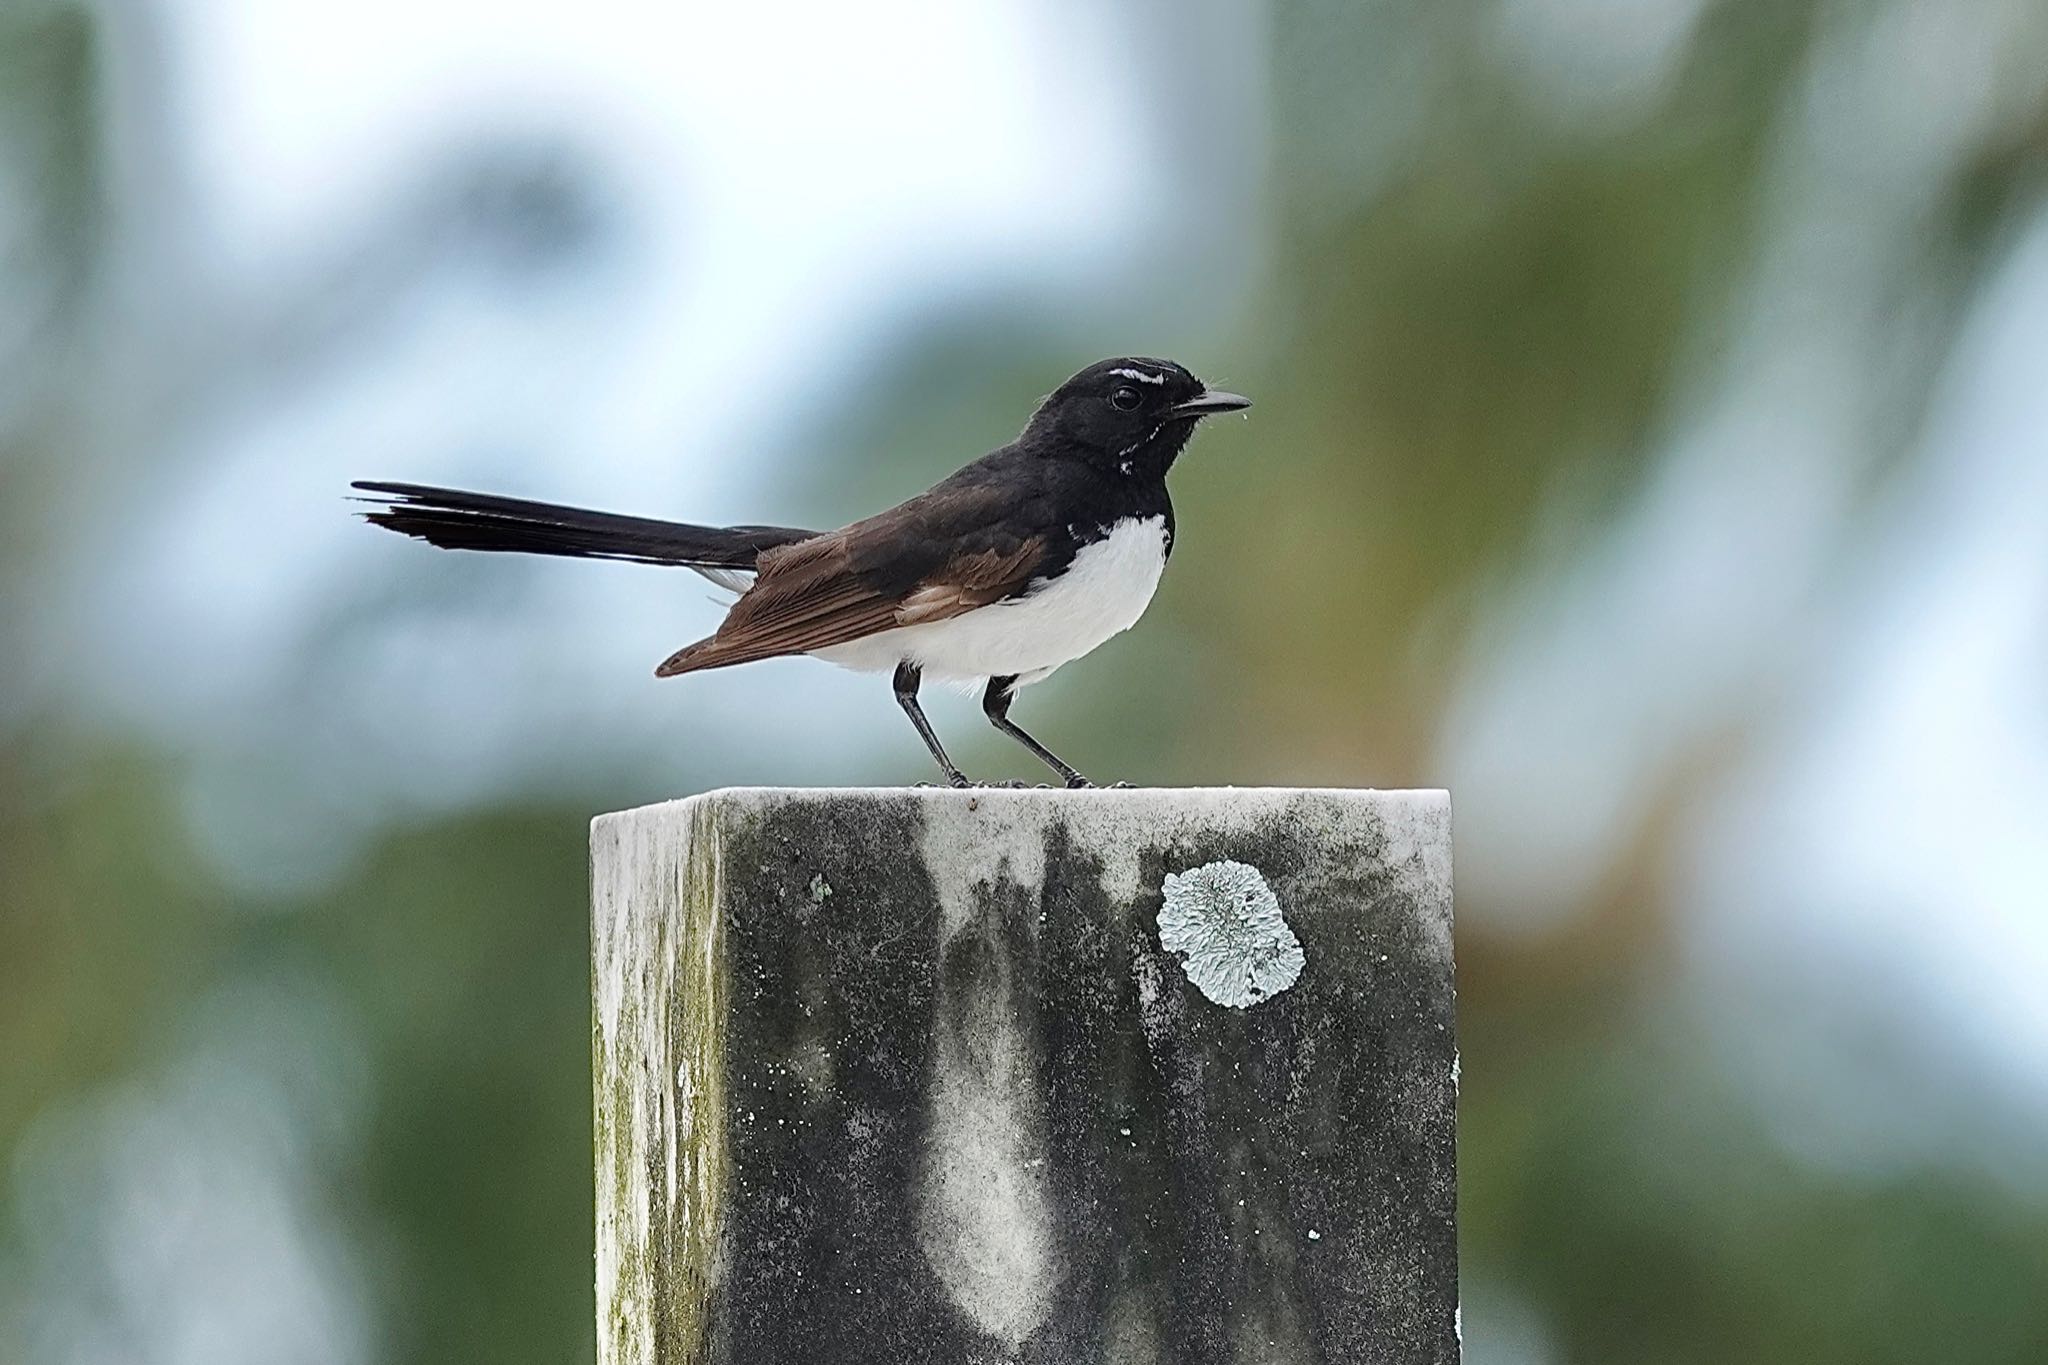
1081,466
1021,561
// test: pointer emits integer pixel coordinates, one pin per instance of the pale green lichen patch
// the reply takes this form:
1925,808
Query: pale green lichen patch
1224,922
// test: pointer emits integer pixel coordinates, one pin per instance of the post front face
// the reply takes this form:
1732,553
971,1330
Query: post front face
889,1076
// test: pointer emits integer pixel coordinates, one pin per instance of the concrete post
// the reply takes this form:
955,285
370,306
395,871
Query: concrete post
1045,1077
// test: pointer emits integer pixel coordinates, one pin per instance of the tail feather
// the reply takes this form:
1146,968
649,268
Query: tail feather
458,520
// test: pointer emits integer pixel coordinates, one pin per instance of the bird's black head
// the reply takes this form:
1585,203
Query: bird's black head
1131,414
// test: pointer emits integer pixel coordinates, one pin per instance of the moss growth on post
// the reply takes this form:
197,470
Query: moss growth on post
701,1158
660,983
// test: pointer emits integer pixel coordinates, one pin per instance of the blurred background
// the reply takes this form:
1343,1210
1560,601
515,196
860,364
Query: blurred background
1651,446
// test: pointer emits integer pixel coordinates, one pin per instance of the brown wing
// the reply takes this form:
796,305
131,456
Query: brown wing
935,557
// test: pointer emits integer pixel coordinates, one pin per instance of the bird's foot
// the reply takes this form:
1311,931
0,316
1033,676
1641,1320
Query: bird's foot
1076,782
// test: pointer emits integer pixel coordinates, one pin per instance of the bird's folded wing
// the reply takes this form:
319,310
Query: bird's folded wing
930,559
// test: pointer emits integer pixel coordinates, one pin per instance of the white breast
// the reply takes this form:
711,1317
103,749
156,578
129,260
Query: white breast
1103,593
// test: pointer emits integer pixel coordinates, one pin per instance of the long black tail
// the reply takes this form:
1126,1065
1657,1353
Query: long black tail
456,520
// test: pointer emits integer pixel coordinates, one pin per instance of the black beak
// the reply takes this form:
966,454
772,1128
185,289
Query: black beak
1208,401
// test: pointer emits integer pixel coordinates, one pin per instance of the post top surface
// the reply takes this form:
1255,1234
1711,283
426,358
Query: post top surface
1136,800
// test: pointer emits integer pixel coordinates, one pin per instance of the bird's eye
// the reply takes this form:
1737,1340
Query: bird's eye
1124,398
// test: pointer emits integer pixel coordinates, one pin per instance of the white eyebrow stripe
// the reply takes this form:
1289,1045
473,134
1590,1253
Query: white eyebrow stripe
1141,376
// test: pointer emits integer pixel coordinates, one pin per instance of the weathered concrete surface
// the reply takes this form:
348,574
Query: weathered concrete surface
889,1076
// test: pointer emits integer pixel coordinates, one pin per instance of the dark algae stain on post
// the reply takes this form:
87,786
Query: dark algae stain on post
820,1253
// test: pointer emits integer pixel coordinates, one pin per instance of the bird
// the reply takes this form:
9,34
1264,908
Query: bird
1022,561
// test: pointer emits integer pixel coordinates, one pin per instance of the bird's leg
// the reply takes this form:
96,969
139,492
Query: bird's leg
907,677
995,704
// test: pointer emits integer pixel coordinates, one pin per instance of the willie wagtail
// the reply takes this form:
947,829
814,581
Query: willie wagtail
1026,559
